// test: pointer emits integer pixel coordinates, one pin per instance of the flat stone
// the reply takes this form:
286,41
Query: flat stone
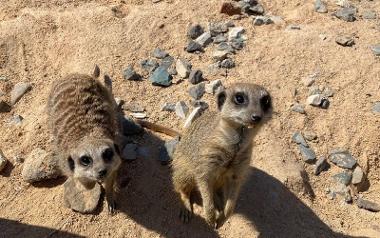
181,109
161,77
369,15
236,33
167,62
224,46
130,127
237,44
310,136
149,65
183,68
4,107
16,119
343,3
357,175
299,139
346,41
196,76
217,28
197,91
39,166
220,55
320,165
169,107
342,158
195,31
227,63
346,14
159,54
214,69
212,87
375,107
129,152
19,90
230,8
262,20
296,107
193,47
204,39
315,100
172,70
307,153
134,107
192,116
376,50
257,9
314,90
130,74
3,161
320,6
219,39
81,198
3,78
344,177
342,190
368,205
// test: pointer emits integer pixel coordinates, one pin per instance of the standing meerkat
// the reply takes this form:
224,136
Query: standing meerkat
214,153
84,124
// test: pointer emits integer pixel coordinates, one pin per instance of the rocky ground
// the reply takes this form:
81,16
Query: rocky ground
315,168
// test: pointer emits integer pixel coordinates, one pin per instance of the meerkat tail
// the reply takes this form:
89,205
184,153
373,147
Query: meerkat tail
158,128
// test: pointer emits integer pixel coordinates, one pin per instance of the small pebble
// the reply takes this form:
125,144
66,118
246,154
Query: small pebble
217,28
169,107
19,90
369,15
230,8
213,86
199,103
320,6
262,20
193,47
376,50
296,107
293,27
149,65
192,116
219,39
357,175
204,39
161,77
342,158
235,33
167,62
227,63
197,91
130,74
308,81
375,108
129,152
346,41
325,103
257,9
328,92
159,54
134,107
4,107
196,76
344,177
299,139
346,14
307,153
3,161
314,89
368,205
310,136
139,115
320,165
214,69
195,31
3,78
16,119
237,44
181,109
220,55
315,100
183,68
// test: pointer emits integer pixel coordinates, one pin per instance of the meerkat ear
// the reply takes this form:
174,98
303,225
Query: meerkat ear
221,98
71,163
108,82
96,72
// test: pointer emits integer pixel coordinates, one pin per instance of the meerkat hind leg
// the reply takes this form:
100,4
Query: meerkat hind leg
186,211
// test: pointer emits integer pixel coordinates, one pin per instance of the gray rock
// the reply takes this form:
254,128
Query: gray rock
357,176
224,46
217,28
40,165
134,107
375,108
204,39
347,14
320,6
159,54
346,41
130,127
166,151
236,33
262,20
16,119
369,15
197,91
199,103
183,68
129,152
172,70
3,78
149,65
237,44
19,90
328,92
315,100
320,165
342,158
3,161
130,74
213,86
167,62
368,205
214,69
192,116
307,153
4,107
196,76
308,81
344,177
227,63
314,89
220,55
342,190
376,50
181,109
161,77
296,107
299,139
219,39
80,197
309,135
193,47
258,9
169,107
325,103
195,31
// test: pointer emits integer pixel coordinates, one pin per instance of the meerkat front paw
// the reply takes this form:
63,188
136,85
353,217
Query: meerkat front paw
111,204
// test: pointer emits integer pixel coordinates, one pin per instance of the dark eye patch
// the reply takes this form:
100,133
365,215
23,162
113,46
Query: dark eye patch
85,160
71,163
265,103
107,155
240,99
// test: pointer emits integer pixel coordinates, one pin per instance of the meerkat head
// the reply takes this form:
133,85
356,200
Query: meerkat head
244,104
94,159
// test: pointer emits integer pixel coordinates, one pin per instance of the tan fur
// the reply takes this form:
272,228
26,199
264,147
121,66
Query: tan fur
84,122
214,153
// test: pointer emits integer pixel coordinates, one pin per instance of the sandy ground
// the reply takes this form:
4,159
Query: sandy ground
42,40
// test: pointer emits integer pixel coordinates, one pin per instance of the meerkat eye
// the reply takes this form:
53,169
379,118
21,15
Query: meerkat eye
265,103
85,160
239,99
107,155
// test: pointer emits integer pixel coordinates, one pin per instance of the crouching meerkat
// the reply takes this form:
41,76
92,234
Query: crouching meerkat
214,153
84,124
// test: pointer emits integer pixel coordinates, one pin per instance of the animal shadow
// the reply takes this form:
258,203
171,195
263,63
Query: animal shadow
277,212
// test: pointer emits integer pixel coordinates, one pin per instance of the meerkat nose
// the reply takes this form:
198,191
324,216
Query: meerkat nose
255,118
102,173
